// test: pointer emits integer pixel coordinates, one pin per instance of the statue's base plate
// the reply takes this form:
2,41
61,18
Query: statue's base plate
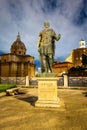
52,104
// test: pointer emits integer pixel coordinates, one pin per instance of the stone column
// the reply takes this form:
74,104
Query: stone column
65,80
22,69
27,81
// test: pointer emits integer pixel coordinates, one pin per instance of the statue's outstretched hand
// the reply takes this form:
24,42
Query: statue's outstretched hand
59,36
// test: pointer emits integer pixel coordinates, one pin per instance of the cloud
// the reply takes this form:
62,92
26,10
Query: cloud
28,16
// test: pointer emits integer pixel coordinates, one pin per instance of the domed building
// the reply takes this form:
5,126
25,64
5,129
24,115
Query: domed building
17,63
18,47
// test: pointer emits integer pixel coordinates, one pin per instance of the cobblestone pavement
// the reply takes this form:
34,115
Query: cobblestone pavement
19,112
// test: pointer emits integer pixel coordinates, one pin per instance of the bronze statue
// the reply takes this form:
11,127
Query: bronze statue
46,47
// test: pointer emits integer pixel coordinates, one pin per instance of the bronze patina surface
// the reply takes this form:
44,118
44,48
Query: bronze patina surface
46,47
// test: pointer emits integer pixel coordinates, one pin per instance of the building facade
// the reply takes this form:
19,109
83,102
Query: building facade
74,60
61,68
17,63
76,54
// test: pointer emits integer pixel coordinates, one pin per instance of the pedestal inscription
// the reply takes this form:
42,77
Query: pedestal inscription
47,92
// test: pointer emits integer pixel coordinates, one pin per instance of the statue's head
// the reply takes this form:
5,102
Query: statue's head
46,24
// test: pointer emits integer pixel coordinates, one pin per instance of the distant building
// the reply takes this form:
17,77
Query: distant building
17,63
76,54
74,59
61,68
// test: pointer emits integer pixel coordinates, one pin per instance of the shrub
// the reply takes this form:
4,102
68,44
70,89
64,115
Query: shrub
4,87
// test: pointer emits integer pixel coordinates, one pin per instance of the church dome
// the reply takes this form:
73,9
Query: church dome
18,47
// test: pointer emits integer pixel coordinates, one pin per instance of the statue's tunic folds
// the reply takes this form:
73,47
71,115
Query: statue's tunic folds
47,44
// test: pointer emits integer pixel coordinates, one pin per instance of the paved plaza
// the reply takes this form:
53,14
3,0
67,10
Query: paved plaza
18,112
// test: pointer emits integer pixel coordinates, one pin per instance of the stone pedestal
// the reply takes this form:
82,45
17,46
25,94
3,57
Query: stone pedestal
47,92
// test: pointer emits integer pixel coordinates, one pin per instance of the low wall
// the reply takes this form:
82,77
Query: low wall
62,81
13,80
66,81
72,81
77,81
